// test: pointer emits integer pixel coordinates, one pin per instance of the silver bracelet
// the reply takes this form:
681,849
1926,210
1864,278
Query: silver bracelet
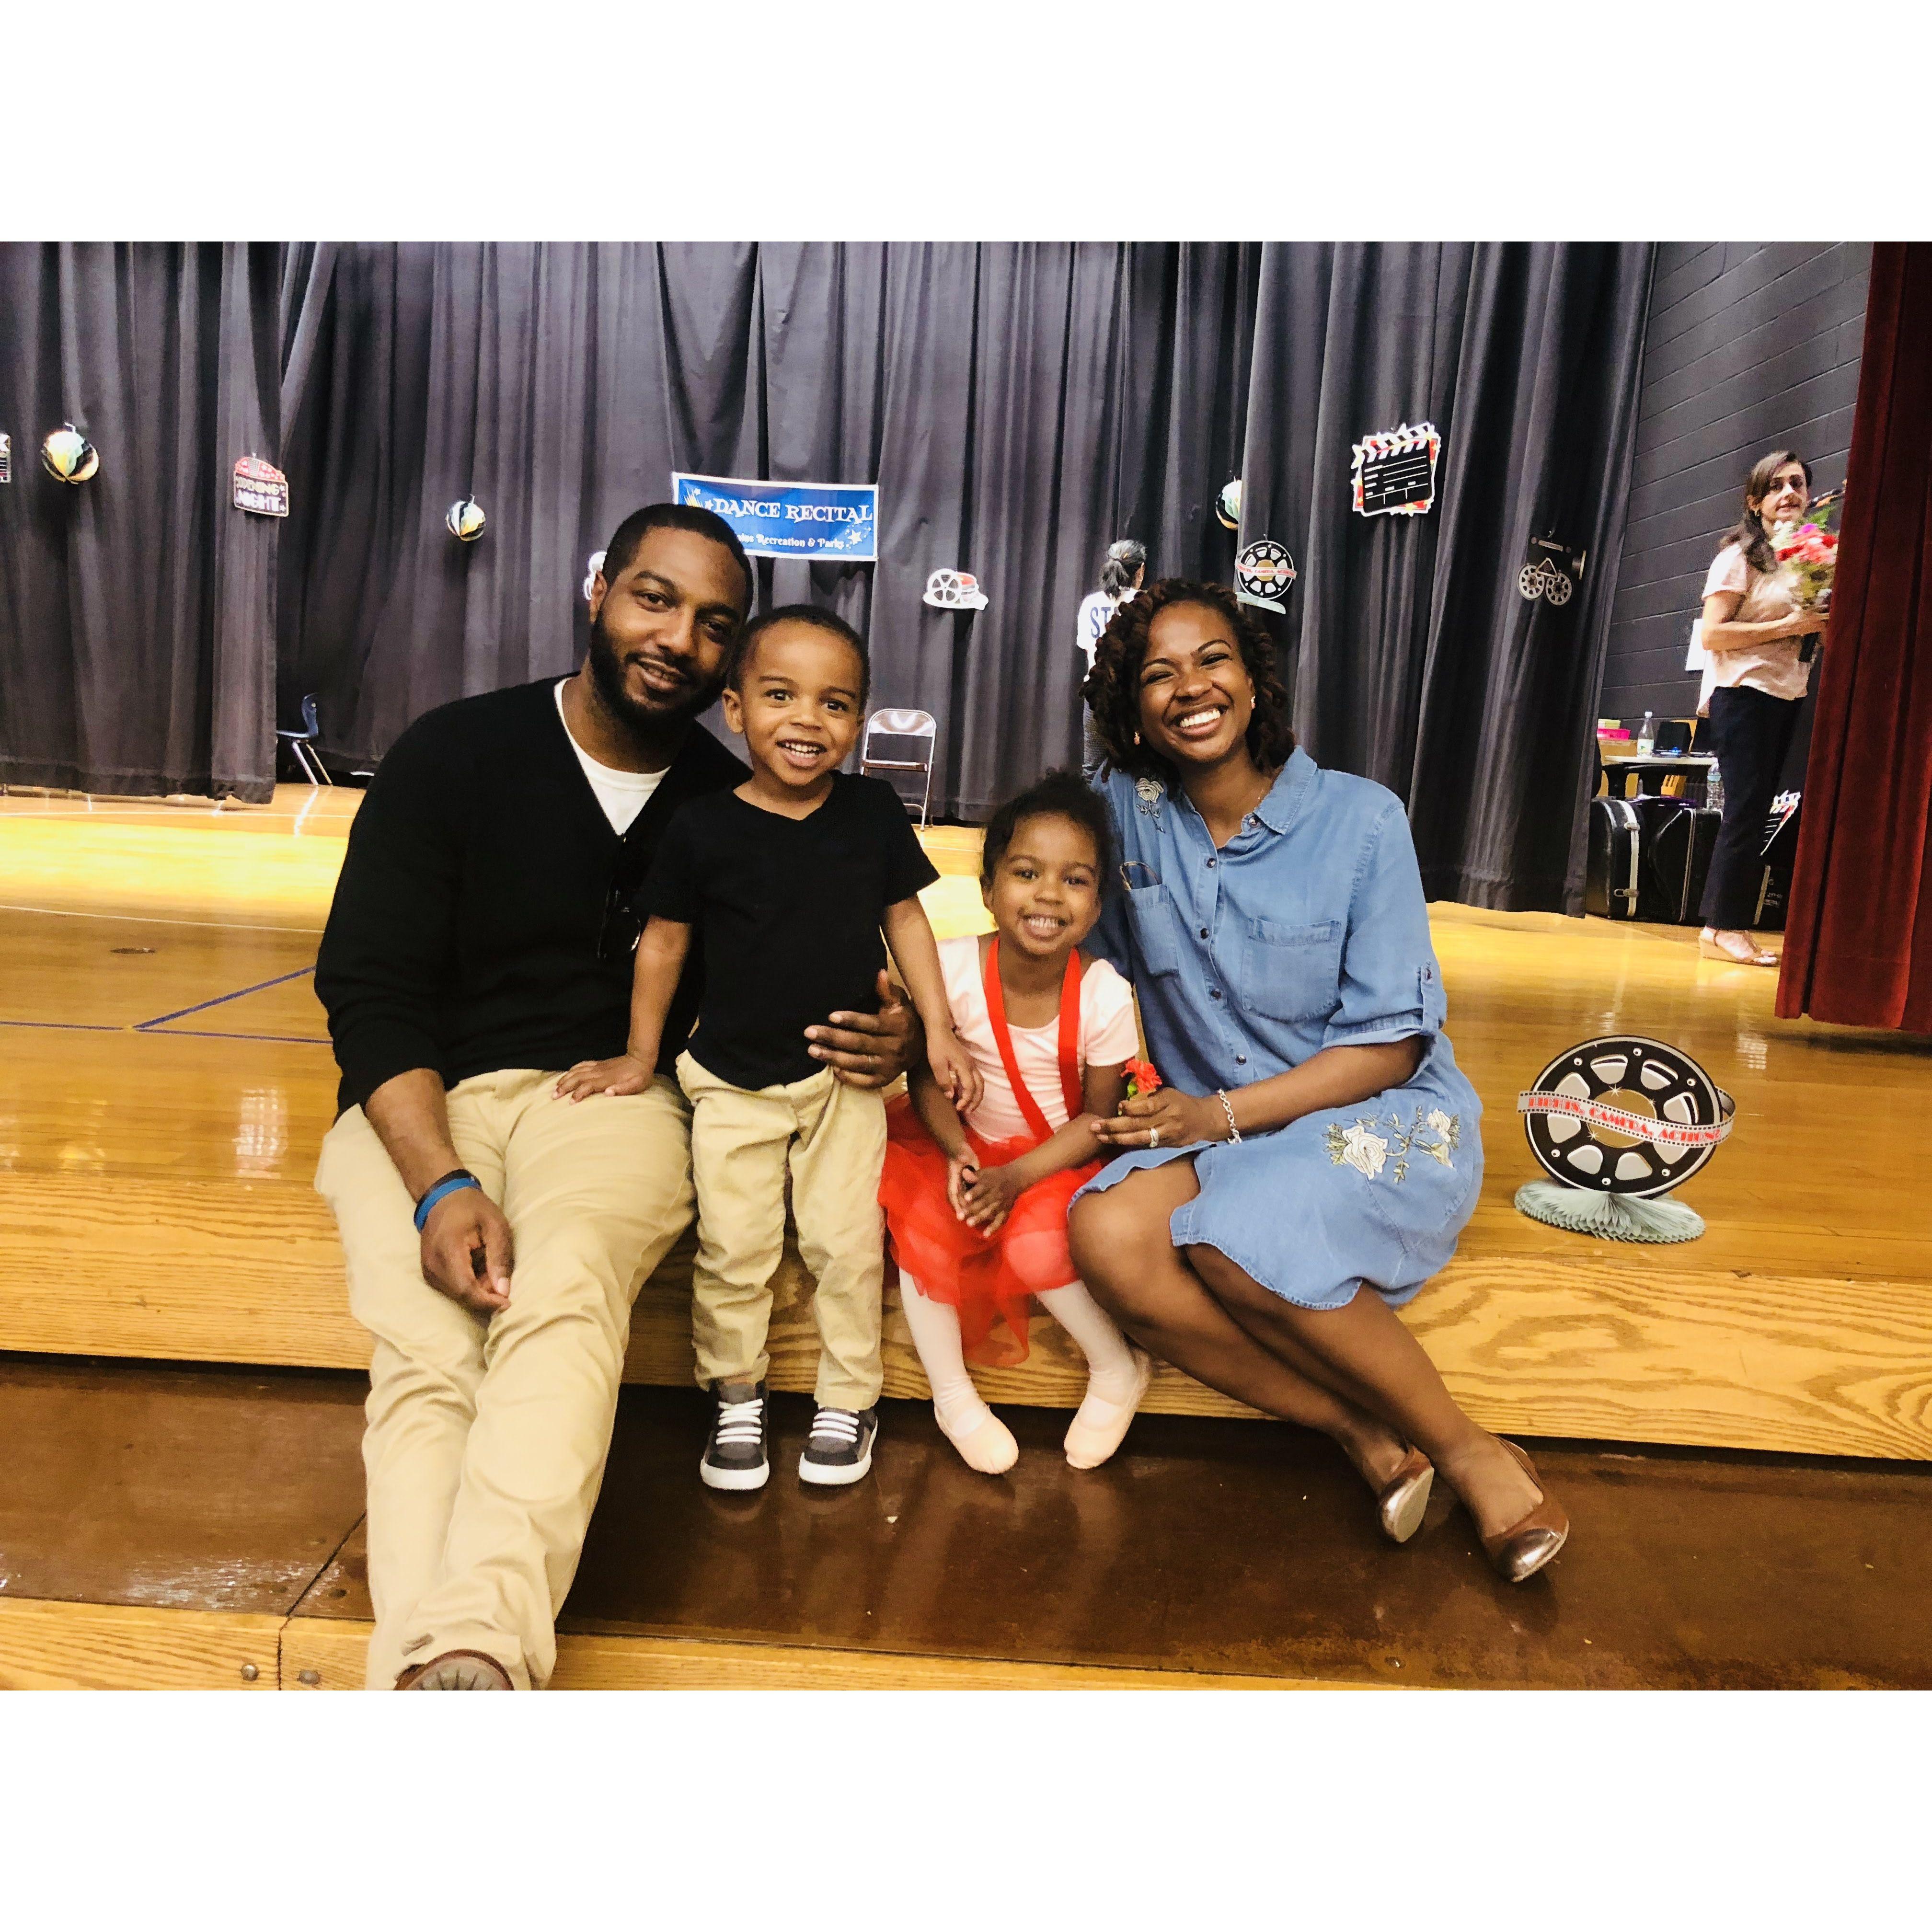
1227,1108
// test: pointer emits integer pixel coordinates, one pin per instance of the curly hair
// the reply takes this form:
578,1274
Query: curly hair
1112,687
1058,794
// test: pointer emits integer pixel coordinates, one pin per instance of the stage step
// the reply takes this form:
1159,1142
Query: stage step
201,1528
1535,1329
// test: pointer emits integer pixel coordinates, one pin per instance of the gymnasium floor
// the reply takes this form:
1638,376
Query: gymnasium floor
166,1081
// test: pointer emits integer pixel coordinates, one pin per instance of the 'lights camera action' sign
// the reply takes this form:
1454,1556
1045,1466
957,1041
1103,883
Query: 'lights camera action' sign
836,521
1395,471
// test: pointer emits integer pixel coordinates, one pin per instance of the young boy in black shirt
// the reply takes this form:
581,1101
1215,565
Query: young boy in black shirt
788,880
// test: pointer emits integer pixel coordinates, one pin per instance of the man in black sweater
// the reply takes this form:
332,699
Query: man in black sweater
480,944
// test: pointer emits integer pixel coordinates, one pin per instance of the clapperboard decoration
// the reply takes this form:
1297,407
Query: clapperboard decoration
260,488
6,457
1395,471
1264,572
1551,570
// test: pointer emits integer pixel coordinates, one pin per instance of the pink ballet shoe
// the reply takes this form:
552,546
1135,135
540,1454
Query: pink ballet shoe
985,1444
1099,1426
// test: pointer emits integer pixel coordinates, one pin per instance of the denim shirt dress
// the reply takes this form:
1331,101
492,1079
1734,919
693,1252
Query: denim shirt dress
1308,929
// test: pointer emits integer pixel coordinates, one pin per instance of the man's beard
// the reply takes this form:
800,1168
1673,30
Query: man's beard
652,723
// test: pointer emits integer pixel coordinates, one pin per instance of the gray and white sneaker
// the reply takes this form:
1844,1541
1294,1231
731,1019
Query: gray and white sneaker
839,1449
734,1455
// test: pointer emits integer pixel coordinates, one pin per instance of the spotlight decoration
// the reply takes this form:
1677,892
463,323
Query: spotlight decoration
260,488
1264,574
1395,471
67,455
592,565
1610,1164
465,520
1228,504
954,590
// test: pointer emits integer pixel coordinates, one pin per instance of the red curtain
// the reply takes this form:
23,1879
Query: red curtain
1858,945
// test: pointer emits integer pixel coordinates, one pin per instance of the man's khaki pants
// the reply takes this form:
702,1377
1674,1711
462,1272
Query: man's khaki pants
487,1437
833,1139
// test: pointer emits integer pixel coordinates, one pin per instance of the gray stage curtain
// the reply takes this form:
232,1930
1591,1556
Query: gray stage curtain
1020,407
137,622
1416,661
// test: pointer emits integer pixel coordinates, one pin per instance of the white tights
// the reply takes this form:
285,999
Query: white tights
1110,1371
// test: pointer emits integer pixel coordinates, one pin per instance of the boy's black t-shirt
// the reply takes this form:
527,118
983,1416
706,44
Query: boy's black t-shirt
786,912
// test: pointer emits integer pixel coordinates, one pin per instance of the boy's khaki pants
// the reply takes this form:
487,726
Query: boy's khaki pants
833,1139
487,1439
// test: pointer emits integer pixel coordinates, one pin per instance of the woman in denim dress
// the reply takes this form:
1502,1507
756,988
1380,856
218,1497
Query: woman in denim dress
1314,1153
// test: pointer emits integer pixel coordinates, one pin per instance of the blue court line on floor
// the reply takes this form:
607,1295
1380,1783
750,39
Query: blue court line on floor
222,1000
65,1026
191,1032
173,1033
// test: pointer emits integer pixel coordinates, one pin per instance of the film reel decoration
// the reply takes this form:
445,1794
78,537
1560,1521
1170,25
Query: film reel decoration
1564,1110
1612,1188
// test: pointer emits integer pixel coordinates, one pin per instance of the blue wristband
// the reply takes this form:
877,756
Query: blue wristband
450,1183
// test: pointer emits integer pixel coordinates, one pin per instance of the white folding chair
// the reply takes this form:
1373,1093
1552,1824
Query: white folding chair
918,726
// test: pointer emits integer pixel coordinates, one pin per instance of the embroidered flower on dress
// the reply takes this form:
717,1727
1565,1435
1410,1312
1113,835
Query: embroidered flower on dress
1367,1152
1364,1151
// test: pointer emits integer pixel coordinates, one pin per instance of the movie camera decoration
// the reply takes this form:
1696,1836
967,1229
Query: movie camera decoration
954,590
1265,573
1228,505
1610,1164
67,456
260,488
1551,571
465,520
1395,471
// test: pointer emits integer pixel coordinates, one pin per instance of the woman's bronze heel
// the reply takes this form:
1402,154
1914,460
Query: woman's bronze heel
1405,1497
1524,1547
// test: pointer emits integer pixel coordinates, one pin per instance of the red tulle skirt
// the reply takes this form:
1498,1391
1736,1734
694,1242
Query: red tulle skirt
990,1281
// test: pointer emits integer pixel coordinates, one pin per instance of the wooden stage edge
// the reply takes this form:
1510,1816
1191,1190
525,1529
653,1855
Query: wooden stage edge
69,1646
166,1080
1592,1348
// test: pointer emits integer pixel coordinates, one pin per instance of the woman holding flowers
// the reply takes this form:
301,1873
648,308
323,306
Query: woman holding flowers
1313,1154
1756,612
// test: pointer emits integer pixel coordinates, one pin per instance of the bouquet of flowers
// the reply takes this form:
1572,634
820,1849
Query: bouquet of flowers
1810,551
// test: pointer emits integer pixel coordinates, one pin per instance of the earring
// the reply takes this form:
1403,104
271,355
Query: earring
1137,737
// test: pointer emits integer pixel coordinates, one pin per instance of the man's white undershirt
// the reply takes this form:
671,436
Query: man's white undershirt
621,794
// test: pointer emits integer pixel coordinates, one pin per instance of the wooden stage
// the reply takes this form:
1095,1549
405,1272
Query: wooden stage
167,1081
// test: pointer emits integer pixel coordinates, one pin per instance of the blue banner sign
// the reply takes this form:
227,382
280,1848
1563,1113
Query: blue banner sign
836,521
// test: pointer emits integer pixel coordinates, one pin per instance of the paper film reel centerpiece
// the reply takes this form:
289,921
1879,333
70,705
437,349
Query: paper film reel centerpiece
1611,1160
954,590
67,455
1264,572
465,520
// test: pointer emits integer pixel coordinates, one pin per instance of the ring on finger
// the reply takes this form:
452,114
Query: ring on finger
1154,1137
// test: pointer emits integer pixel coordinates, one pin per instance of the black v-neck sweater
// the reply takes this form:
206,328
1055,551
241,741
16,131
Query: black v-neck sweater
464,933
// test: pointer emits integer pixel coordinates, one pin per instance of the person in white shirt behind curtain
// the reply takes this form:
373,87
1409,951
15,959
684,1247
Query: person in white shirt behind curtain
1120,576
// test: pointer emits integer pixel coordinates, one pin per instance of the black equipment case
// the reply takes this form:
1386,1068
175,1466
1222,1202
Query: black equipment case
1611,879
1676,842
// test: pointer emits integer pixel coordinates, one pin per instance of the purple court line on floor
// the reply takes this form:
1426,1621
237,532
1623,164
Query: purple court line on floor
222,1000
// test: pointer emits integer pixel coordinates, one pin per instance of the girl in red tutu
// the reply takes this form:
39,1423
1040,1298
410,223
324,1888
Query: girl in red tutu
977,1209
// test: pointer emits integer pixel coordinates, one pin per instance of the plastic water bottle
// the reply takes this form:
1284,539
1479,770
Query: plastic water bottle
1646,735
1714,789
